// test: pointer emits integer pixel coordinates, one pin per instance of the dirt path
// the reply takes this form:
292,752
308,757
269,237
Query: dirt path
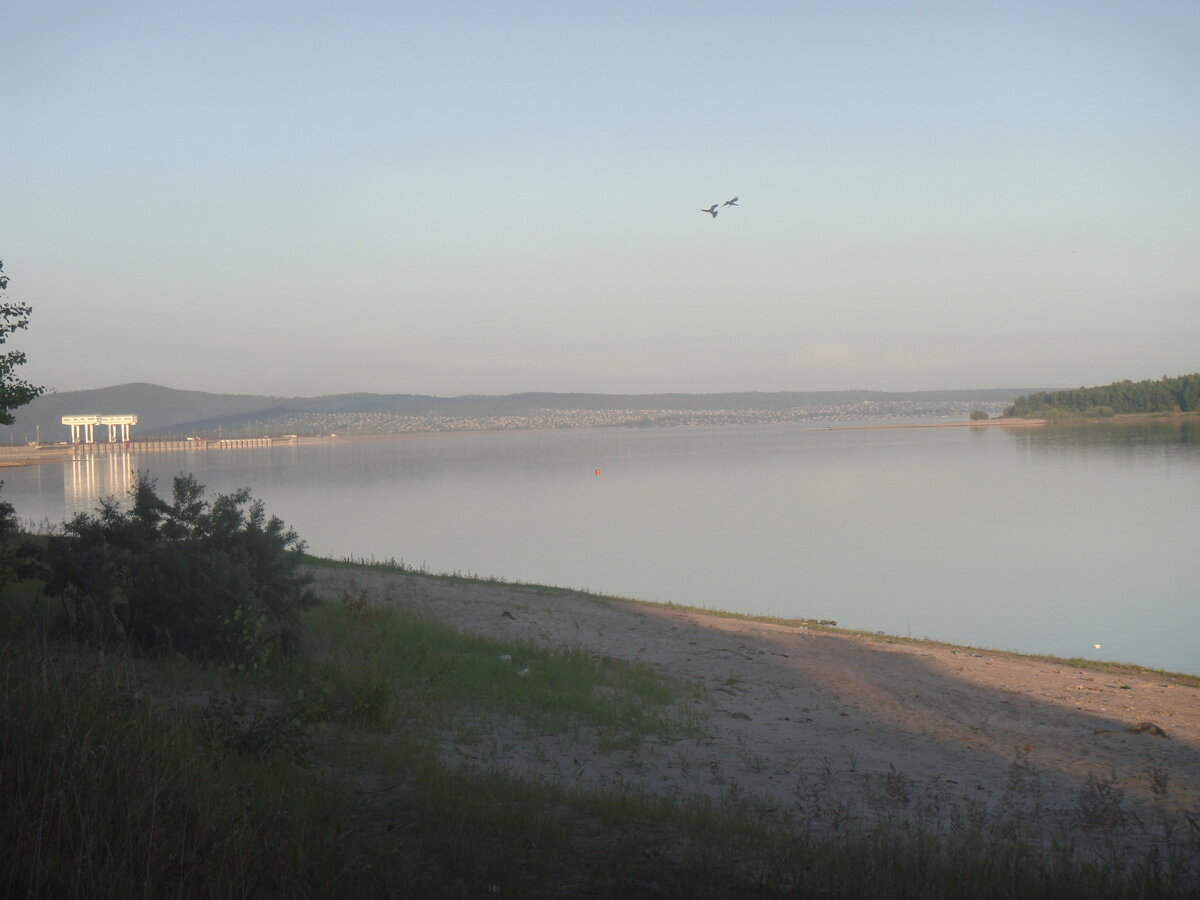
841,729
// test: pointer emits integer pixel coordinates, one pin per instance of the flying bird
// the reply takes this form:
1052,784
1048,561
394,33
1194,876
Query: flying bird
712,210
732,202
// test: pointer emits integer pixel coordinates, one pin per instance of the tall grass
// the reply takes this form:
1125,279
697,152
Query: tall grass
107,796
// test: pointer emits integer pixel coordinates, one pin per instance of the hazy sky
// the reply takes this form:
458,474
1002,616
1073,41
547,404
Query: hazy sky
301,198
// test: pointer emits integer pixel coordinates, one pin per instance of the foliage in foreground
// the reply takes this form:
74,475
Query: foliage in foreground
212,580
14,391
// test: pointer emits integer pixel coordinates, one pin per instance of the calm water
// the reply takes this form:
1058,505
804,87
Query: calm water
1039,540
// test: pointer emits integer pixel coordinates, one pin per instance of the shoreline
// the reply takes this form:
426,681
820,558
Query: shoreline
821,626
1112,667
981,423
860,725
29,454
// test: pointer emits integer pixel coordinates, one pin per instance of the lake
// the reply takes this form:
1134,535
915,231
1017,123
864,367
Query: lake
1044,540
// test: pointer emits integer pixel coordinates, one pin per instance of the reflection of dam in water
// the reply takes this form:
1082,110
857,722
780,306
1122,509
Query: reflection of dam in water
109,469
89,476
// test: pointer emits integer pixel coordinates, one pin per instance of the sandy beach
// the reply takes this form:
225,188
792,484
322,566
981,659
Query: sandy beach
845,729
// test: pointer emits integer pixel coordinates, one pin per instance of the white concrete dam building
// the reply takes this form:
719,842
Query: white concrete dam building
85,427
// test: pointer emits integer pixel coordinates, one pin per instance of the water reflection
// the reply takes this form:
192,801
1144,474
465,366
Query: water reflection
1170,436
92,476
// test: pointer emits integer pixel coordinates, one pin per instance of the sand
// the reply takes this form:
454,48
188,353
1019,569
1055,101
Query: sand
842,729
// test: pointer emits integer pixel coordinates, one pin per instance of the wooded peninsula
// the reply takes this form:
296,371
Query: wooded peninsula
1166,395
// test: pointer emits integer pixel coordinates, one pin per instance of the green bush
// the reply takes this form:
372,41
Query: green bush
212,580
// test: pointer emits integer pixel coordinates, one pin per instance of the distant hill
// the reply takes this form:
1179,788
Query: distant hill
163,411
157,408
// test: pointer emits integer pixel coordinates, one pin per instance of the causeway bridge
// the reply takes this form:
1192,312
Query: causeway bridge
83,434
168,445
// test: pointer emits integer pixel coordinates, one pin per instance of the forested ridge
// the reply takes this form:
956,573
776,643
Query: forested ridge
1178,394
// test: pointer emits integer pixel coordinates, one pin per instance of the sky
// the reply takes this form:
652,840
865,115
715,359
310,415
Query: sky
495,197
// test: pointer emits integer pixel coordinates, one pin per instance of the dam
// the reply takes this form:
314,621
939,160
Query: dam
83,428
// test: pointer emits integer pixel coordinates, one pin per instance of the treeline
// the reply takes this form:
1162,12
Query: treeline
1179,394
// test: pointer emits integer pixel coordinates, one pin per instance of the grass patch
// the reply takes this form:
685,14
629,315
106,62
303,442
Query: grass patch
378,666
400,567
